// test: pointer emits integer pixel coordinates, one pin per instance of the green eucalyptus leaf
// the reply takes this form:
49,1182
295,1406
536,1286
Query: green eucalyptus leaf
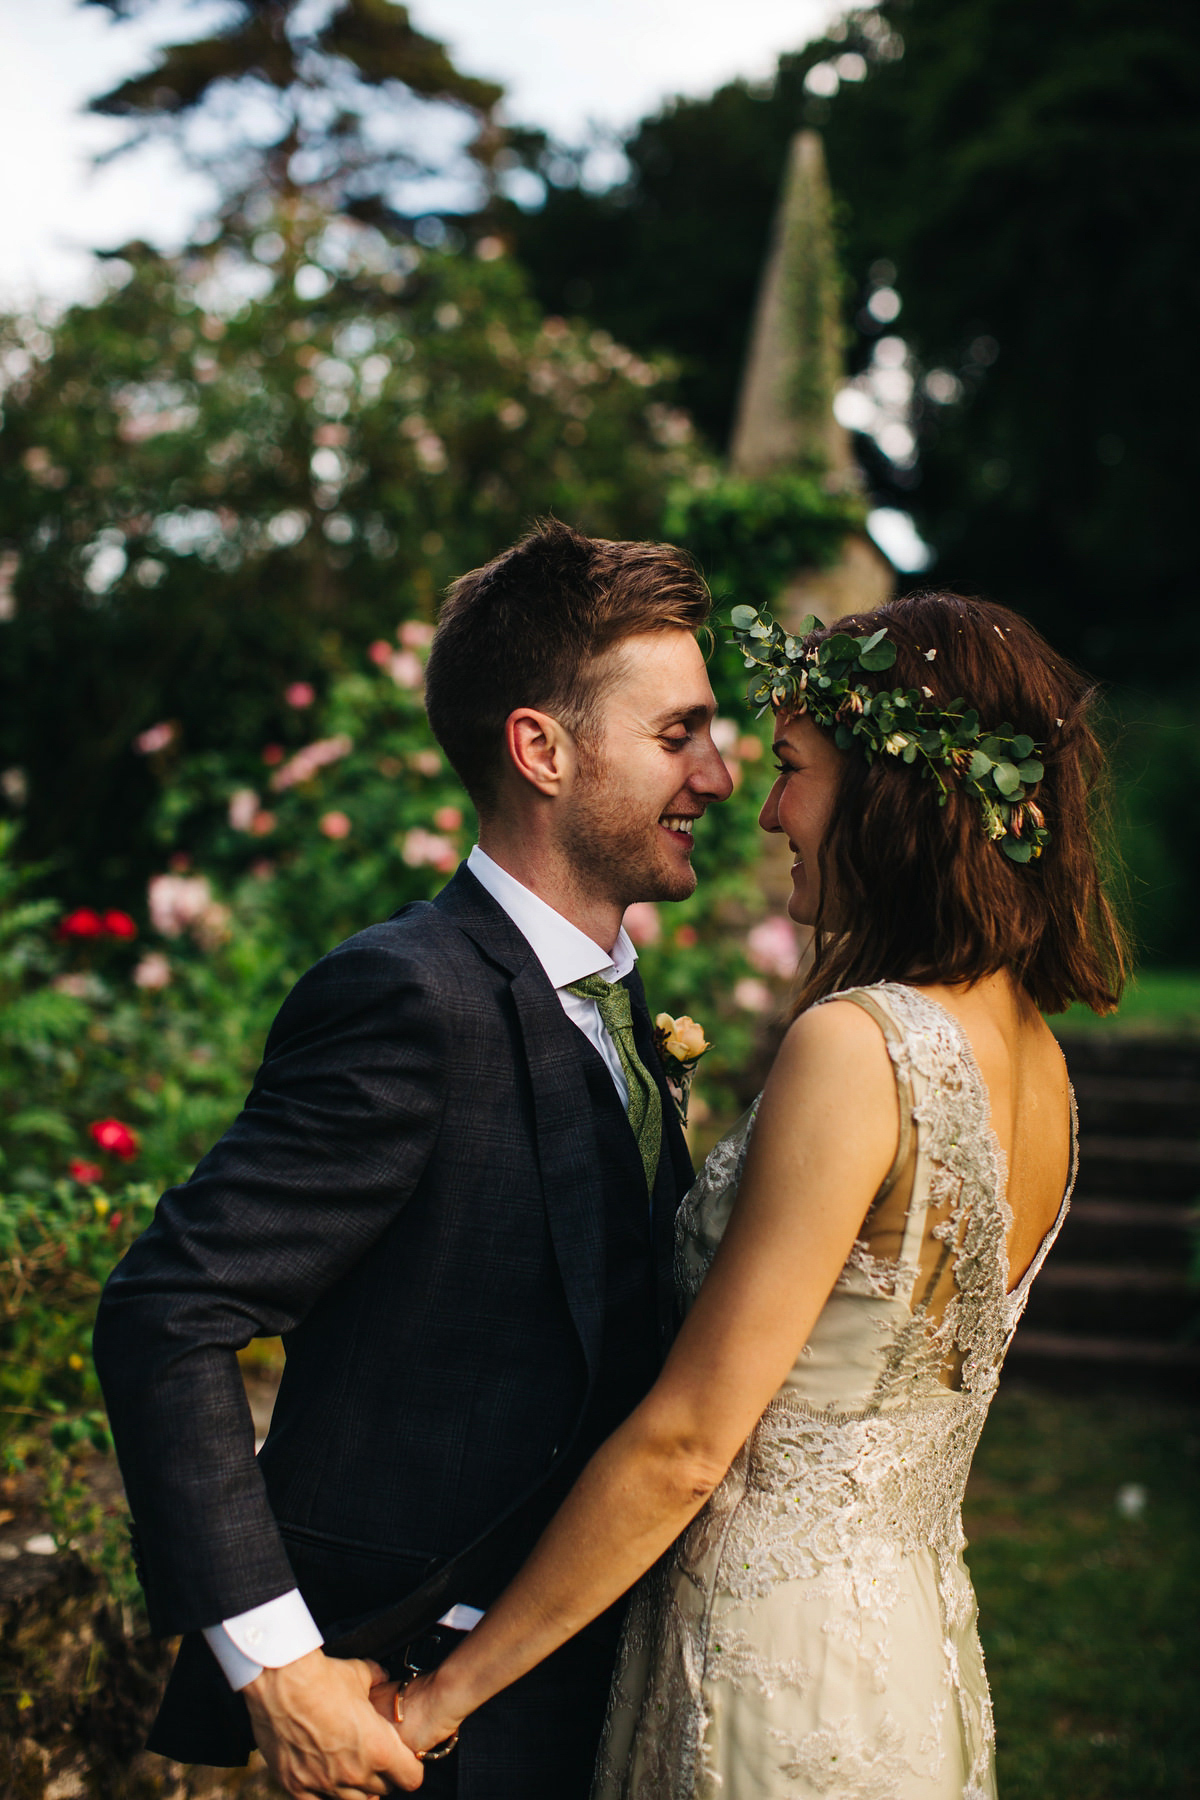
1031,770
881,658
839,648
743,617
980,764
1015,850
1006,778
1021,747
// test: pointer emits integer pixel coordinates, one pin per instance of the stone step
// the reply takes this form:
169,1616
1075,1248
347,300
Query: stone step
1083,1363
1156,1232
1128,1105
1158,1168
1121,1300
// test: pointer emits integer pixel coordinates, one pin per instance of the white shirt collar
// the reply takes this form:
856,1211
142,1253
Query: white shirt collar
565,952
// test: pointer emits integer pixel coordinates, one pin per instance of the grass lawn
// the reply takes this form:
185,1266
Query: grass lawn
1165,1001
1090,1606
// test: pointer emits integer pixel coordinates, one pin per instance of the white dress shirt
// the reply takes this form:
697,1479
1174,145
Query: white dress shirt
564,952
282,1630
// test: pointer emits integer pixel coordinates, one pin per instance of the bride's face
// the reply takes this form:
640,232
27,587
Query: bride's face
800,806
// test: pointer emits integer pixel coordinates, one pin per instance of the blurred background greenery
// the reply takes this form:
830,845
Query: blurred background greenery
234,481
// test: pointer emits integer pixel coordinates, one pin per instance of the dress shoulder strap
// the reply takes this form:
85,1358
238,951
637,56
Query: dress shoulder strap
875,1005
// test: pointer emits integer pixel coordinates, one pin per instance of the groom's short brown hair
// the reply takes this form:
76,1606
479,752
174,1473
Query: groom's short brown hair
526,629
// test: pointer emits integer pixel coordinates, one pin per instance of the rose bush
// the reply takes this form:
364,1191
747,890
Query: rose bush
224,479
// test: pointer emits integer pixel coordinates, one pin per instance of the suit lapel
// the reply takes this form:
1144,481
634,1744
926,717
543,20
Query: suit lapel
555,1051
564,1130
565,1145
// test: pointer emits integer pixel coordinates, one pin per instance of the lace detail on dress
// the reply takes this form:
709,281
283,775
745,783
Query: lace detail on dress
813,1631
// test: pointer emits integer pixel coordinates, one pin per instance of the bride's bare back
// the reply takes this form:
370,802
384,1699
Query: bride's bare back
1026,1080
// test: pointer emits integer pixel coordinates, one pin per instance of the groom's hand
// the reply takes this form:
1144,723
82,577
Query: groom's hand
316,1727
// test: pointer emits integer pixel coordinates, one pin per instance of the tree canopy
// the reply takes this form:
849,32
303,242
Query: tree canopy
332,102
1023,181
244,464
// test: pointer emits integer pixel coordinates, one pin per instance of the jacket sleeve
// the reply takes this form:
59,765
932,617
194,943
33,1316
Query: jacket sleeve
333,1139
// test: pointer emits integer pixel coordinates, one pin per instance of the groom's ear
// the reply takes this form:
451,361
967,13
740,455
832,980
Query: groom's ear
541,750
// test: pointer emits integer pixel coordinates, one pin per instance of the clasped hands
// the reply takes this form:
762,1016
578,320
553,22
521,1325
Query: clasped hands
327,1727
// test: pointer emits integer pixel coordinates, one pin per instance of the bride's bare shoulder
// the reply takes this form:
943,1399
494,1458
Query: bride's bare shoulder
836,1044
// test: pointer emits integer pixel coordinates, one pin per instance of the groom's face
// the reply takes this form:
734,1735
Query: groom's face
647,776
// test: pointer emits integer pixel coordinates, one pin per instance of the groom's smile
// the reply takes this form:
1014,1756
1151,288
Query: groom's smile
652,771
679,825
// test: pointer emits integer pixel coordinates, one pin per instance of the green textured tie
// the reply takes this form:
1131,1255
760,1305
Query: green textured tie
645,1101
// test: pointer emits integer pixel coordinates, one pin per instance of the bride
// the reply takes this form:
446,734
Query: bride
856,1254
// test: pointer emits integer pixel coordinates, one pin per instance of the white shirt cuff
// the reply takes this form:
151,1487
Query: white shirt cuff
268,1636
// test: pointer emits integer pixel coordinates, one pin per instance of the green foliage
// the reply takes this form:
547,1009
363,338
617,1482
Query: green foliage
1015,171
1156,791
1156,1003
56,1251
82,1041
212,487
750,537
363,818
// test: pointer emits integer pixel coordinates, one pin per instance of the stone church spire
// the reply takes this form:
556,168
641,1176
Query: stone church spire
794,367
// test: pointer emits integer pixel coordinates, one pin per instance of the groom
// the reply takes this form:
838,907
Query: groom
451,1190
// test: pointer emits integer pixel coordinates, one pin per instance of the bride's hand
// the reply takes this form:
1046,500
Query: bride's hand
423,1722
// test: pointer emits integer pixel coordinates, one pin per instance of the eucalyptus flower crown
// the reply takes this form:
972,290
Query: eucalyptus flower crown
997,766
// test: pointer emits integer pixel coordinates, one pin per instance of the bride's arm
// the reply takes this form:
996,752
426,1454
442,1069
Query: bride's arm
822,1144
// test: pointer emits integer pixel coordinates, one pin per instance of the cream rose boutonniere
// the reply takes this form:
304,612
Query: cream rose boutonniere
680,1044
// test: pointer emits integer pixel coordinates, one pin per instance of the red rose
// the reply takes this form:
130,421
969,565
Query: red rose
119,925
79,1170
82,923
113,1136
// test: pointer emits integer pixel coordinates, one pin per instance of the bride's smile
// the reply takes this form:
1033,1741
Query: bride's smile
800,805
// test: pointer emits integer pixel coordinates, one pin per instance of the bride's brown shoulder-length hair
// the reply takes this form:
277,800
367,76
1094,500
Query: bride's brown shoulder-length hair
922,894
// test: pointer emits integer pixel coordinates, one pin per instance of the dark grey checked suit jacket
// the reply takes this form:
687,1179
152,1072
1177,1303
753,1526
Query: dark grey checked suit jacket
413,1197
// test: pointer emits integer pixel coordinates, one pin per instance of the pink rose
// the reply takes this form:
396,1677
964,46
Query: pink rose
414,634
156,738
771,947
153,972
642,923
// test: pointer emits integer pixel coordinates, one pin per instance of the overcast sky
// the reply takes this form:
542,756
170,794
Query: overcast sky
565,64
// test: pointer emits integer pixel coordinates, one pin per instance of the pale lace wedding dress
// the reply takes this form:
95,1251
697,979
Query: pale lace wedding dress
813,1633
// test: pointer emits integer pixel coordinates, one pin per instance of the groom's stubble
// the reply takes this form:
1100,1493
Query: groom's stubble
613,838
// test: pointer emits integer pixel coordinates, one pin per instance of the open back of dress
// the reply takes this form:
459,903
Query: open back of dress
813,1632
